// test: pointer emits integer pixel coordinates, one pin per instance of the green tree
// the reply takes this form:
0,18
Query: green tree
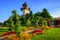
15,16
17,22
46,14
44,23
23,21
28,23
14,22
32,22
40,21
27,16
31,15
11,24
6,23
37,14
37,21
18,28
1,23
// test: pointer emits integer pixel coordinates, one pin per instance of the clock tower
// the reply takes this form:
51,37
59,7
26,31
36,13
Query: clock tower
25,9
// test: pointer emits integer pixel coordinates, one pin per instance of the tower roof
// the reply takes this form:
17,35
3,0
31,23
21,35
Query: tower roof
25,6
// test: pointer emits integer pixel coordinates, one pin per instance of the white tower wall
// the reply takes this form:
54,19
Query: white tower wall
25,11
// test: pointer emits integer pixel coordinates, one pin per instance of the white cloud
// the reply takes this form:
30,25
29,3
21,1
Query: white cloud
56,12
2,21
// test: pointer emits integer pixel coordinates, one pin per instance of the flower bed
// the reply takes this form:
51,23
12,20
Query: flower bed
8,33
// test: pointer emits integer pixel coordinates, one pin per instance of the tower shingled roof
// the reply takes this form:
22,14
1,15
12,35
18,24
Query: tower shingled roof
24,6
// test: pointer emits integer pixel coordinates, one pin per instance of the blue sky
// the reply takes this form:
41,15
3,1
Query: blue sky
6,6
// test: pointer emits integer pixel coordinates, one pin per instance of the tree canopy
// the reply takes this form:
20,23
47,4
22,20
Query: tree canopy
46,14
35,19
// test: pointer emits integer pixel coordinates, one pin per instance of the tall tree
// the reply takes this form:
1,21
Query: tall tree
11,24
37,14
27,16
31,15
6,23
40,21
1,23
23,21
15,16
16,22
44,23
46,14
28,23
37,21
32,22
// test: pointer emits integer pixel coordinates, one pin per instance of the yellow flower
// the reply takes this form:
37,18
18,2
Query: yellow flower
25,35
13,37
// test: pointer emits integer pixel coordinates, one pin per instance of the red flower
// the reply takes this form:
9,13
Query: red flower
8,33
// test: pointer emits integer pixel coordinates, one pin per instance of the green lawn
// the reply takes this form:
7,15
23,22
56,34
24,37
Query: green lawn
52,34
3,29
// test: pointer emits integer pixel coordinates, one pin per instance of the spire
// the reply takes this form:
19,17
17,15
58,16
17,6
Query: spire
25,6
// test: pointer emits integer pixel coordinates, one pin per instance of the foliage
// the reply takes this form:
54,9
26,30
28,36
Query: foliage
45,14
23,21
37,14
40,21
28,23
6,23
31,15
35,19
13,22
1,23
32,22
11,25
17,22
27,16
44,23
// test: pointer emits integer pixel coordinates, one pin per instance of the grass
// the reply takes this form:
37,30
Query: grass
3,30
52,34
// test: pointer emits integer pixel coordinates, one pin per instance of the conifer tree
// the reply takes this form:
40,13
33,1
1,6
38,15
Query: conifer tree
28,23
17,22
11,24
